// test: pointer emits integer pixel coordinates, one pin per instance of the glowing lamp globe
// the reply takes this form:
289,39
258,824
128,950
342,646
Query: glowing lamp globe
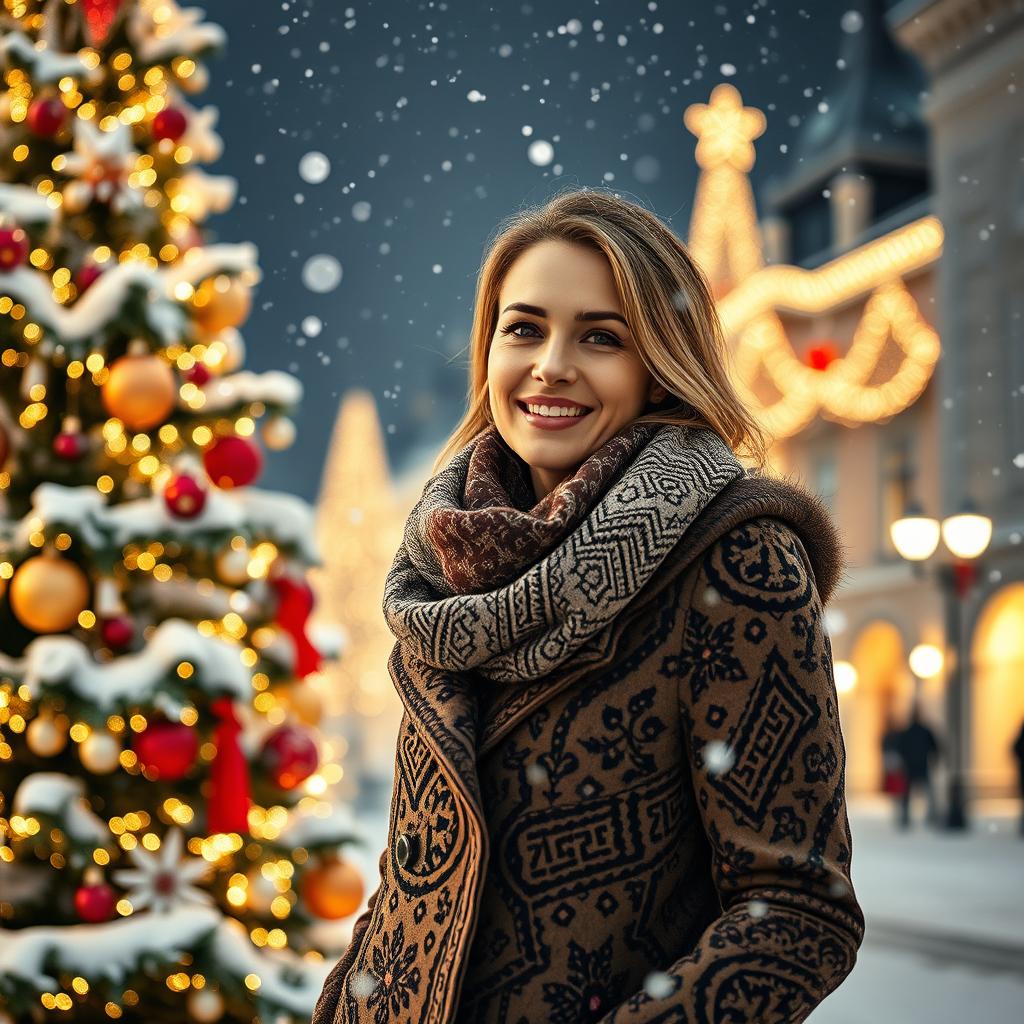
968,534
915,535
926,661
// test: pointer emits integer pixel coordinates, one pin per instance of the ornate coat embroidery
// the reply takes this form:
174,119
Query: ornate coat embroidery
660,834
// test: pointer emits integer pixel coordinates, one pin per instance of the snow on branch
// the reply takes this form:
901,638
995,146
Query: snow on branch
204,261
114,950
25,205
44,63
110,951
272,387
62,798
63,662
99,306
285,519
178,32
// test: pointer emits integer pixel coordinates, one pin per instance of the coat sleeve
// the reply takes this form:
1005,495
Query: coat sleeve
760,721
327,1003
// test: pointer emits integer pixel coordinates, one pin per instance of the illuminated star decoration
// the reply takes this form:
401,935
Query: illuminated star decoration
100,166
162,880
725,240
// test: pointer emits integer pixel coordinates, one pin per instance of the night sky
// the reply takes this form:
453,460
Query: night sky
426,113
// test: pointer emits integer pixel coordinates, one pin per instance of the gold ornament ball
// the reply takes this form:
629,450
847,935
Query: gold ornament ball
48,593
205,1005
220,302
45,737
279,433
100,752
141,391
333,889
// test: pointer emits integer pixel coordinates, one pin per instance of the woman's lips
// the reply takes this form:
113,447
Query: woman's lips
551,422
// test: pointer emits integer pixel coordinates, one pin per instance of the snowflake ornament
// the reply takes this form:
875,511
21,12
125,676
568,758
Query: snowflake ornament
162,880
100,165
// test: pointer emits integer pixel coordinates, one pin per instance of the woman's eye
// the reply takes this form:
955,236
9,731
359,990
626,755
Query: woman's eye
512,328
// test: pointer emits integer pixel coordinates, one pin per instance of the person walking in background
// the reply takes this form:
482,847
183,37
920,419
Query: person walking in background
1018,753
894,774
918,749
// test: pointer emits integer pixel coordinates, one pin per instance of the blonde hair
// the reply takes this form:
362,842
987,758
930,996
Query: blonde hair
666,299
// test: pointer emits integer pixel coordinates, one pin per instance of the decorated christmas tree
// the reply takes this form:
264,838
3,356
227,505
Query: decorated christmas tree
169,849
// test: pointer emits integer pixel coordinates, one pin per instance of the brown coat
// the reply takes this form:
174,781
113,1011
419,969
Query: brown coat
657,834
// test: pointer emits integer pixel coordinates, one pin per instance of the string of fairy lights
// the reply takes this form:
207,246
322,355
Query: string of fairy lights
725,238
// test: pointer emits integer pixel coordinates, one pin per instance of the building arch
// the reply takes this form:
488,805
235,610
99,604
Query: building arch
996,653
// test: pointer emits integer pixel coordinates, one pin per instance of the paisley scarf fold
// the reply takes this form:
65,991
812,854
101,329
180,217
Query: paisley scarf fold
489,579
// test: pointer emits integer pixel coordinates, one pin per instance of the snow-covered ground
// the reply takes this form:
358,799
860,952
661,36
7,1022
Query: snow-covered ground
945,922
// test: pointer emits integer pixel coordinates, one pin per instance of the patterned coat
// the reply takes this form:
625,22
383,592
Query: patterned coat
658,834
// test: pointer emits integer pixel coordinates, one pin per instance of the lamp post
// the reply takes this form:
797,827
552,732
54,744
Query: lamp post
966,536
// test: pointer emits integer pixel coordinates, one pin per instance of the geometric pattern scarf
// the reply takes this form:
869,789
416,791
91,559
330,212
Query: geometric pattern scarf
489,579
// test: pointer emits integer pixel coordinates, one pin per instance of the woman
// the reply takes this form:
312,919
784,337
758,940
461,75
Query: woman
619,776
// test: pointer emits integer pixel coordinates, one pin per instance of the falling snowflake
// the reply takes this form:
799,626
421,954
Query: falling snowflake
314,168
719,757
757,909
540,152
658,984
322,273
312,326
162,880
852,21
728,70
361,211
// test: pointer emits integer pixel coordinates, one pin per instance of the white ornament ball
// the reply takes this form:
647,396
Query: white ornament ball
279,433
45,737
100,752
205,1005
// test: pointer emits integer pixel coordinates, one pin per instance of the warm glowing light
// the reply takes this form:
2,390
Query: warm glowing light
915,537
926,661
845,674
967,534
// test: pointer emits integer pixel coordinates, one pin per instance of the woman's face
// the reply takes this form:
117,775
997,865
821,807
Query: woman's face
547,350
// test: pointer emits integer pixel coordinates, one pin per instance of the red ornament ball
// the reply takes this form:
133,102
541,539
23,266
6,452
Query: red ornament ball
95,903
184,497
46,117
198,375
166,749
117,632
289,756
13,248
233,461
70,444
170,123
87,274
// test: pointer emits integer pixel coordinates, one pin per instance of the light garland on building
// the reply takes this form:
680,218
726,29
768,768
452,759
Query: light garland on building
726,241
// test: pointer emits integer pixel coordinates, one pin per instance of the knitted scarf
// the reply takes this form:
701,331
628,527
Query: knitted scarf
491,580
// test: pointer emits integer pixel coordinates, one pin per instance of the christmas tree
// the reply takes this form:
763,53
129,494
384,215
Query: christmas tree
168,847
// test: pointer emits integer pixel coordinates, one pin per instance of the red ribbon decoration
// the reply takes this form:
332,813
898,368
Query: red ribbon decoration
228,809
99,18
294,604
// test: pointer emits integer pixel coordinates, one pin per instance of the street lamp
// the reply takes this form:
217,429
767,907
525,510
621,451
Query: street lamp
966,536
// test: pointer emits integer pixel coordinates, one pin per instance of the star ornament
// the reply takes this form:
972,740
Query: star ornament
100,165
725,129
162,880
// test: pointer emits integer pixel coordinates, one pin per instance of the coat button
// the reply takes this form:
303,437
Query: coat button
405,848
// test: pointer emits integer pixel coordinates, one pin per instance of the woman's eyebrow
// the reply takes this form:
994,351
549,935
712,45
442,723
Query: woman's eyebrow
537,311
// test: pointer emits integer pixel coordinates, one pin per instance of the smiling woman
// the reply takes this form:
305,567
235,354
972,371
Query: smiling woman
619,777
